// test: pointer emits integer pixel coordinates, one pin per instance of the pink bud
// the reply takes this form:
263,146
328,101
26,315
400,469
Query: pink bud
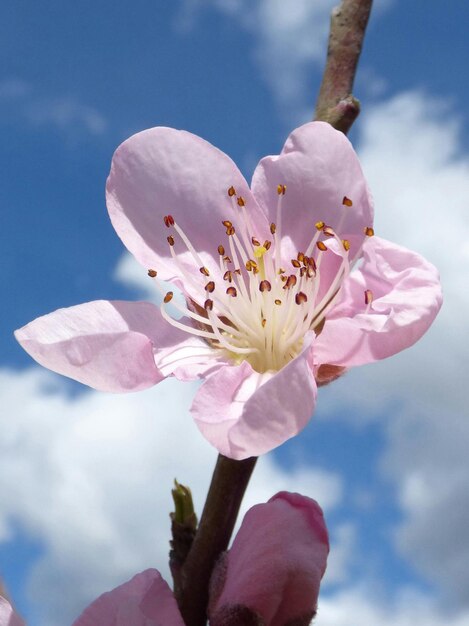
273,571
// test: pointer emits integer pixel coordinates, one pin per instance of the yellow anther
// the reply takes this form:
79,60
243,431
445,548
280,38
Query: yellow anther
281,189
346,244
231,191
319,225
369,232
346,201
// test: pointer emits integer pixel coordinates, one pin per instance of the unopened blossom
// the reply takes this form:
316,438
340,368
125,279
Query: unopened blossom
271,574
285,284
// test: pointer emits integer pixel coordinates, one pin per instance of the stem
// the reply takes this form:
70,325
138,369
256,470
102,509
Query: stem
335,103
229,482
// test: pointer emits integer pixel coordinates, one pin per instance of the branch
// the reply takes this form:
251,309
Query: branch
226,492
335,103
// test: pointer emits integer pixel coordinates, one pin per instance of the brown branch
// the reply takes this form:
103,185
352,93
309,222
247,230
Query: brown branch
226,492
335,103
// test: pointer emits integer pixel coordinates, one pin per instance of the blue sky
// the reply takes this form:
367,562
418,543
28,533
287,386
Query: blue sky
85,477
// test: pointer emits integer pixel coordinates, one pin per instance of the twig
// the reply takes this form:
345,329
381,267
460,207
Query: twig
335,103
226,492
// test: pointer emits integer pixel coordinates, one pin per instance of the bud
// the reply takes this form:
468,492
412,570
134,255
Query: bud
272,573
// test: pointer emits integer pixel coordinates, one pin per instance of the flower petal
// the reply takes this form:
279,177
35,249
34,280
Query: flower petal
8,617
320,168
106,345
164,171
243,413
145,600
275,565
406,299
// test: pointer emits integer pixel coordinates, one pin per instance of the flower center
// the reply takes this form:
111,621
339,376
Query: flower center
256,309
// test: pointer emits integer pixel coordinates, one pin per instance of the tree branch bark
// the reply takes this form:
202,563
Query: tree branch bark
224,498
335,103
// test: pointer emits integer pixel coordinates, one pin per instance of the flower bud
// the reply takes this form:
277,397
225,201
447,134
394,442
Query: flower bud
272,573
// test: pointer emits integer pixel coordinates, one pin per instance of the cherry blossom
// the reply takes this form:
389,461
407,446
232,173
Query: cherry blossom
285,284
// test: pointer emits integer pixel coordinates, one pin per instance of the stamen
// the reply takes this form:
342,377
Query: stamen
221,250
346,201
255,242
152,273
170,240
290,282
278,302
231,191
264,285
346,244
208,305
210,286
168,297
321,245
273,228
231,291
168,220
203,270
295,263
301,298
368,296
368,230
241,201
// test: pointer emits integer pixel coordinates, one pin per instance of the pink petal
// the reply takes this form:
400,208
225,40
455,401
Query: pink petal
319,167
106,345
165,171
145,600
8,617
275,564
243,413
406,299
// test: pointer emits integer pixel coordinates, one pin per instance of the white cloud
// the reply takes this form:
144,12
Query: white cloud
65,113
89,477
365,605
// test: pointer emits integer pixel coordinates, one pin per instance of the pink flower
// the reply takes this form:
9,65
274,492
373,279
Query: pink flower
285,284
272,573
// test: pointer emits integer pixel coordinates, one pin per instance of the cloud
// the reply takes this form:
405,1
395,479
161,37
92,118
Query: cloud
365,605
89,476
65,113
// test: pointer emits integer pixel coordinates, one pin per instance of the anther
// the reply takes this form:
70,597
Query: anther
170,240
319,225
221,250
231,291
230,231
264,285
301,298
168,220
231,191
210,286
322,246
227,223
208,305
300,256
203,270
346,201
152,273
295,263
238,271
346,244
327,230
290,282
227,259
368,296
241,201
227,276
369,232
168,297
278,302
267,244
255,242
264,322
281,189
273,228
